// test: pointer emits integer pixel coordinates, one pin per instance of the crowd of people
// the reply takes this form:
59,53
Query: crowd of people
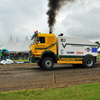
19,55
14,56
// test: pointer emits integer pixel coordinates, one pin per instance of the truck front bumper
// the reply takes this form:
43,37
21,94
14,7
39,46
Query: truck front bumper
34,59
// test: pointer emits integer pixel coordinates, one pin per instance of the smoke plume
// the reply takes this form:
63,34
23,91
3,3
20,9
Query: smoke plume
54,7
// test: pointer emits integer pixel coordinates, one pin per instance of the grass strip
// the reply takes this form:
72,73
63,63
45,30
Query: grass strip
98,56
21,60
81,92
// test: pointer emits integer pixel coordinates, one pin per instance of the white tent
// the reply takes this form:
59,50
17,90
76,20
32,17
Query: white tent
9,44
23,46
16,46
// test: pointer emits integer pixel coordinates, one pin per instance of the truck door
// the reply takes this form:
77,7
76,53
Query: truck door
40,45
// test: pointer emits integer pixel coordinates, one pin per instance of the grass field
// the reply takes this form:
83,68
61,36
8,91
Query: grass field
82,92
21,60
98,56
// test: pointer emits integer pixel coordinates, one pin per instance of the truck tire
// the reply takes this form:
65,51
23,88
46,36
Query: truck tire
88,61
47,63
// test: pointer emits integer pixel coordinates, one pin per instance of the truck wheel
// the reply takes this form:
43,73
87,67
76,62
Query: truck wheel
88,61
47,63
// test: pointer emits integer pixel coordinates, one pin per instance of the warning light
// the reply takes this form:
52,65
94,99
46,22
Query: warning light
36,31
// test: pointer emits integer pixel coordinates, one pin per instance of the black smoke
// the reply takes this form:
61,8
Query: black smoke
54,7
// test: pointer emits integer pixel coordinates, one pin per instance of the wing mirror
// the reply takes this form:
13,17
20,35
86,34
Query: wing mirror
37,41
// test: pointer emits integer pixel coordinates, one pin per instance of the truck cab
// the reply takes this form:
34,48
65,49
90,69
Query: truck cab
43,46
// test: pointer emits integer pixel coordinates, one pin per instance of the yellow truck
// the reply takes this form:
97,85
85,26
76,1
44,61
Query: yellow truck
47,49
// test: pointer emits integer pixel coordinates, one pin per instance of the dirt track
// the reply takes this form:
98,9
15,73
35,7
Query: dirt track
30,76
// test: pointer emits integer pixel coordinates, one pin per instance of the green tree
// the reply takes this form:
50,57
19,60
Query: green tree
98,43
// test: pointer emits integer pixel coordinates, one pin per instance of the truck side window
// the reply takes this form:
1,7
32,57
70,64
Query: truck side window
41,39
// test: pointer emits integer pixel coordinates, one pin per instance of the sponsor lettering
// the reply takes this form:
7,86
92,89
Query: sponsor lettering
88,49
64,45
63,40
73,45
66,59
79,52
71,59
94,49
61,51
69,52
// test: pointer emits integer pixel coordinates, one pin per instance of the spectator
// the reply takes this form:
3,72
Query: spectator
4,54
11,56
23,55
16,55
0,54
19,55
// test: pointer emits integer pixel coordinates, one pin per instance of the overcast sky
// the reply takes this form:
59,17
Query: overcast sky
20,18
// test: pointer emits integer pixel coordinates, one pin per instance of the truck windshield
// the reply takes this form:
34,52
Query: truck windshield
33,37
33,41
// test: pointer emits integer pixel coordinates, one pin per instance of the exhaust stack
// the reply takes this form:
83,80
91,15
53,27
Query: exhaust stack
50,32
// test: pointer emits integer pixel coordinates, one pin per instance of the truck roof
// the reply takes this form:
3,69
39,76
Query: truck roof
74,40
46,34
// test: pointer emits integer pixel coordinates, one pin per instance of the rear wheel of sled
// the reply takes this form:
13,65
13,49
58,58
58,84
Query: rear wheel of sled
88,61
47,63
